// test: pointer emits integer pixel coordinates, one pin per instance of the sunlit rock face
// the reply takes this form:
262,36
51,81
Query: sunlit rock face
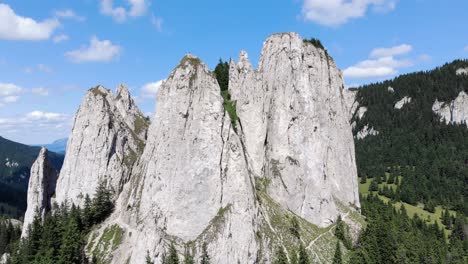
41,188
203,178
108,135
455,112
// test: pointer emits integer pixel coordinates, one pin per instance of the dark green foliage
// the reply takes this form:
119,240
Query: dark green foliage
188,258
430,155
173,257
303,255
316,42
102,204
205,258
9,235
342,232
280,256
295,228
60,238
392,237
338,258
374,186
222,75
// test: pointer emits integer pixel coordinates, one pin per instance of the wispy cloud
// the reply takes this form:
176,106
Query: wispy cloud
15,27
120,14
40,91
9,93
60,38
36,124
392,51
157,22
97,51
338,12
69,14
466,48
383,63
149,90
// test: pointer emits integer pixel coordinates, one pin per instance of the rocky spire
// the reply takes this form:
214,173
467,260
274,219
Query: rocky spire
295,125
289,159
40,190
108,136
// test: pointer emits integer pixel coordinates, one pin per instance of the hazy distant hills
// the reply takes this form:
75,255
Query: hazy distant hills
58,146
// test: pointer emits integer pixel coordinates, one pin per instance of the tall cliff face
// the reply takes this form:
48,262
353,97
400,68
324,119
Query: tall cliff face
40,190
235,185
108,135
294,121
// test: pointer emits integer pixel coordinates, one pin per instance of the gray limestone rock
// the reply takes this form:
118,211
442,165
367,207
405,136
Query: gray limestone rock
41,188
455,111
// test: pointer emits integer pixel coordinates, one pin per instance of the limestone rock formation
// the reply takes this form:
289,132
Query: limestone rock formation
202,177
40,190
294,124
108,135
351,102
366,131
462,71
402,102
453,112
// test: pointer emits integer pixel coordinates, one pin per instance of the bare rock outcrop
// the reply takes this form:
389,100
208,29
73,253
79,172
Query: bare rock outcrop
108,135
455,112
198,177
41,188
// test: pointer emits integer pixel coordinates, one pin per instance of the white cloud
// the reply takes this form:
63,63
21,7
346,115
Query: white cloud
11,99
150,90
36,124
157,22
383,64
70,14
136,8
97,51
15,27
338,12
9,93
60,38
44,68
40,91
44,116
392,51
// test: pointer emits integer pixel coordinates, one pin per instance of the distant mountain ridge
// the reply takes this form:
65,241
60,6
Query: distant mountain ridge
58,146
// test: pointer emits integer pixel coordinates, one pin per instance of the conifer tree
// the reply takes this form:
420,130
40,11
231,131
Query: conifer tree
173,257
205,258
280,256
303,255
337,259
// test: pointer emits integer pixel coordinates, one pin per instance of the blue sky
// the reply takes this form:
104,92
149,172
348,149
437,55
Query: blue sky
51,52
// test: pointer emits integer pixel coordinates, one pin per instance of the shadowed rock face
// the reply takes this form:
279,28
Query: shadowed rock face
199,179
108,135
40,190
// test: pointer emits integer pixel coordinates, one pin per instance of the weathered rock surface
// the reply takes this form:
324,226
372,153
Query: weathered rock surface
366,131
351,102
294,123
361,112
462,71
402,102
41,188
108,135
453,112
202,178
